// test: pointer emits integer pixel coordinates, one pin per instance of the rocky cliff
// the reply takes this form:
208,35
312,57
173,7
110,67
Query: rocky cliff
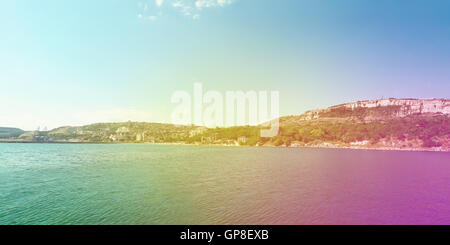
381,109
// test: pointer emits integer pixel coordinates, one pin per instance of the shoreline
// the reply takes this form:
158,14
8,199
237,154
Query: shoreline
222,145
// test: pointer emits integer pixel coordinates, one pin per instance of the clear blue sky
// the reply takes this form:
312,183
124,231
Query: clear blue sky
76,62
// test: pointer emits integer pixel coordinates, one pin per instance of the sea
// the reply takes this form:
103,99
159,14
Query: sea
93,184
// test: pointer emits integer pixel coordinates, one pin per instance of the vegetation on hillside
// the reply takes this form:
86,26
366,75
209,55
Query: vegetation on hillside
338,126
431,131
6,133
129,132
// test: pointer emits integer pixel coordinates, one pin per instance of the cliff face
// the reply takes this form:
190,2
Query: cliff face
370,110
407,106
414,124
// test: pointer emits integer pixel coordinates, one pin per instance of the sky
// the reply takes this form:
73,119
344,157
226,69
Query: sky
78,62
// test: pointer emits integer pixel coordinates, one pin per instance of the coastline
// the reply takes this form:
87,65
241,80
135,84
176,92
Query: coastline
416,149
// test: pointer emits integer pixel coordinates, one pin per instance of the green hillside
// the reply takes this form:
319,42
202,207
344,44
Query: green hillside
6,133
128,132
401,124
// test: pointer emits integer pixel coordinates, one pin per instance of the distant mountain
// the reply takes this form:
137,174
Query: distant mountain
410,124
10,132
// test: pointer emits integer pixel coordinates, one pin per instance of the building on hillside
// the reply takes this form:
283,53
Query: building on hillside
242,140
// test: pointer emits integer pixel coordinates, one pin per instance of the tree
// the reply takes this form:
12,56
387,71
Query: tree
317,133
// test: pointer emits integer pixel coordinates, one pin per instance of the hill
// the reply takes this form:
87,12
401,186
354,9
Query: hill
128,132
411,124
379,110
6,133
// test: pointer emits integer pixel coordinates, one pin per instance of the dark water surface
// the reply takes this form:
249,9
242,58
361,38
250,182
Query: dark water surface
157,184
